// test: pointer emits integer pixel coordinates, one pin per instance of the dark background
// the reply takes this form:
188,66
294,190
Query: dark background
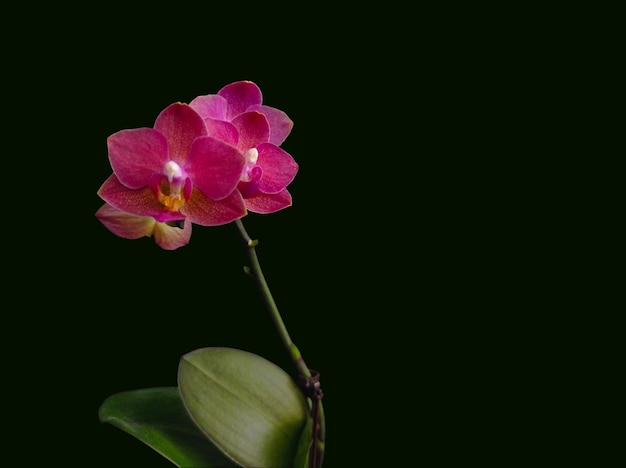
390,269
96,314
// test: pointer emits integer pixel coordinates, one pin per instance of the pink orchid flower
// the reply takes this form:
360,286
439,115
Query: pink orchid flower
169,236
237,116
175,171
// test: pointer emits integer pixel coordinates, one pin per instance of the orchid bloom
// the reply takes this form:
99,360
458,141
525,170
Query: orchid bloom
237,116
169,236
174,171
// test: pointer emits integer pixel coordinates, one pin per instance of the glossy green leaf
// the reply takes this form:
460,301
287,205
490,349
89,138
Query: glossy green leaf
248,406
157,417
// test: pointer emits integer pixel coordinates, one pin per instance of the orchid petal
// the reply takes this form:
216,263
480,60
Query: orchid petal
210,105
240,95
206,212
171,237
135,154
248,189
222,130
279,168
140,202
214,167
280,123
124,224
253,130
181,125
264,203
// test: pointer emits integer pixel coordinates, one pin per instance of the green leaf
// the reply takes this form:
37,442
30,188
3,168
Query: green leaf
248,406
302,452
157,417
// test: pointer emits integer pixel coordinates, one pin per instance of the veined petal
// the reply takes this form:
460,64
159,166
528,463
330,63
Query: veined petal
279,168
280,123
124,224
170,237
240,95
140,202
210,105
206,212
181,125
265,203
214,167
135,154
222,130
253,130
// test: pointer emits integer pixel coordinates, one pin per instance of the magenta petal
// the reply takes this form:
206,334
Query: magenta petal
280,123
181,125
140,202
222,130
135,154
124,224
210,105
253,130
214,167
206,212
279,168
264,203
240,95
170,237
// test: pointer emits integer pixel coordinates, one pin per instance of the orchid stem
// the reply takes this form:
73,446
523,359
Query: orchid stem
254,270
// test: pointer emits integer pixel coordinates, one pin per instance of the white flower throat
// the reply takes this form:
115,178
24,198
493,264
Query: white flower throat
251,157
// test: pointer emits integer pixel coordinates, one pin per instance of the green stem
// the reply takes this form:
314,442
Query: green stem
254,270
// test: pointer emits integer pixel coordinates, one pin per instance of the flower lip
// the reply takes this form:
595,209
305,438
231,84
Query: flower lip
255,173
172,194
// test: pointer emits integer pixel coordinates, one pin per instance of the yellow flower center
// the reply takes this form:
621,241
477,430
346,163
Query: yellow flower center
172,201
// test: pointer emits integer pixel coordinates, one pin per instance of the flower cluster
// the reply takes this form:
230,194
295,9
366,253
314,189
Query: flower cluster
208,163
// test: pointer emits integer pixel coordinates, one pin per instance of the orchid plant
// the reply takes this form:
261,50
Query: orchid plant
208,163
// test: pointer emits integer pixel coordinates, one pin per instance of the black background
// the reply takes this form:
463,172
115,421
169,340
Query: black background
424,268
381,268
95,314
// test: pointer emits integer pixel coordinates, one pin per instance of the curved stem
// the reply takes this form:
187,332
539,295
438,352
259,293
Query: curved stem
254,270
